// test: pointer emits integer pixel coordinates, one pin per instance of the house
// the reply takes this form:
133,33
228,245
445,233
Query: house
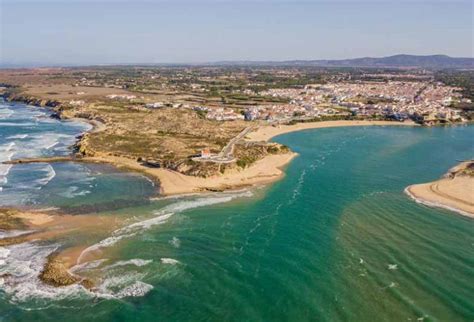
155,105
205,153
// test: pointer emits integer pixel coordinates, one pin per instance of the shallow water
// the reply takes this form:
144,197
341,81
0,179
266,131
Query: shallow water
335,240
26,132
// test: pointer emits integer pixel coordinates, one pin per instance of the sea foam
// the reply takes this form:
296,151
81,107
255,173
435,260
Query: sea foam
161,217
22,264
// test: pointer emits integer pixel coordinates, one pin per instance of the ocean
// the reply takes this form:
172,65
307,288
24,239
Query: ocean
335,240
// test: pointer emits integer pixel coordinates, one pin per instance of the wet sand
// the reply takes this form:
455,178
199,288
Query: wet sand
45,226
456,194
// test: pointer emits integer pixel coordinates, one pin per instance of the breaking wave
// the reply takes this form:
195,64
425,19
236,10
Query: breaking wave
169,261
17,136
5,113
49,174
161,217
135,262
21,265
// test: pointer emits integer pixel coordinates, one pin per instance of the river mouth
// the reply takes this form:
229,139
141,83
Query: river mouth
335,239
75,188
65,206
83,251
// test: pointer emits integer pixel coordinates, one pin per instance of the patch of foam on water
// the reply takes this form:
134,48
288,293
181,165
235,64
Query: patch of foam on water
125,285
137,289
109,241
21,268
46,141
5,113
297,189
162,217
17,124
17,137
145,224
207,201
44,144
4,170
73,192
52,145
175,242
6,154
135,262
169,261
87,265
49,175
7,147
21,265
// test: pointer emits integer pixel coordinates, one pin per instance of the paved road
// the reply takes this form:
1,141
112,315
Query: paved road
225,156
229,148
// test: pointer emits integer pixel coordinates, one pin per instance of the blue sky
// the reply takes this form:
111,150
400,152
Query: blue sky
109,32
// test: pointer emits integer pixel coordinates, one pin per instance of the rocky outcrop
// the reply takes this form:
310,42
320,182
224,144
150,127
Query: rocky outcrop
56,273
31,100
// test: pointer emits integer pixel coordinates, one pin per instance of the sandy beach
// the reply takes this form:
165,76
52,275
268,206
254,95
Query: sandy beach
172,182
455,191
265,133
266,170
454,194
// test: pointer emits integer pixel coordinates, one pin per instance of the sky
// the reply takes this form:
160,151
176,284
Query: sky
81,32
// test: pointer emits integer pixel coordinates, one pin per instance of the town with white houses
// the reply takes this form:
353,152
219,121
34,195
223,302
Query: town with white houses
420,101
401,96
424,102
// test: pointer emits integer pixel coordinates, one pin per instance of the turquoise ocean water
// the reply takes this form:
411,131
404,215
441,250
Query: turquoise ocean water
335,240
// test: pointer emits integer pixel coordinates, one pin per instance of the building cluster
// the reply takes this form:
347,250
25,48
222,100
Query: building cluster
421,101
216,113
285,112
158,105
399,97
219,113
76,102
121,97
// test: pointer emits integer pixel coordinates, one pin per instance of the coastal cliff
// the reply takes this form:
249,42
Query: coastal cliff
173,147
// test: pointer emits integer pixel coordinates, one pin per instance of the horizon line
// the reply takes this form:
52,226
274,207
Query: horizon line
213,62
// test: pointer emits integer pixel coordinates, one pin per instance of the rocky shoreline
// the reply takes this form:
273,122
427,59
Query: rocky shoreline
247,152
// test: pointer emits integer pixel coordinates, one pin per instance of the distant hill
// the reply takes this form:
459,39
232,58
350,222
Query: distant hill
397,61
